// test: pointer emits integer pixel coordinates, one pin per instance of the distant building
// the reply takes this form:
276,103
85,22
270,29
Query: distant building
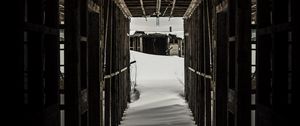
157,43
136,41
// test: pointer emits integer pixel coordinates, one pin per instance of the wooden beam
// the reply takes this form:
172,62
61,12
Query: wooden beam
143,9
173,6
94,69
193,5
72,63
158,6
122,5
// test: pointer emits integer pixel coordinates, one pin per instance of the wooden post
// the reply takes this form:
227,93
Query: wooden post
72,63
52,65
108,63
295,59
94,69
279,65
221,70
243,62
35,65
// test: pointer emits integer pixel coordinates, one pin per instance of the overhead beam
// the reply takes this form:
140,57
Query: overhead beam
158,5
122,5
143,9
173,6
193,5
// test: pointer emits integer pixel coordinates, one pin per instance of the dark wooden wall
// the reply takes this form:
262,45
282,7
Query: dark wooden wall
40,65
277,45
83,34
117,79
218,63
197,64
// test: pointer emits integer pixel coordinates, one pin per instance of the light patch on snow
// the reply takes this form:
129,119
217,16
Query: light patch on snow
160,82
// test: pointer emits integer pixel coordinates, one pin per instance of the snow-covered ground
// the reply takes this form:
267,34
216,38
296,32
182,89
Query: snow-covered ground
160,83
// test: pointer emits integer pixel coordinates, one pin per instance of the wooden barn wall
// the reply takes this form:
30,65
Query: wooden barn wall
277,69
197,65
37,35
218,63
93,31
117,76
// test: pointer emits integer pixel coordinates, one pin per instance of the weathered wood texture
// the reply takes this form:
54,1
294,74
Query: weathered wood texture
197,65
40,54
231,74
277,36
117,80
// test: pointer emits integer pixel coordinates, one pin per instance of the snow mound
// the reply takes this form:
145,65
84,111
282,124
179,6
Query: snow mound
160,82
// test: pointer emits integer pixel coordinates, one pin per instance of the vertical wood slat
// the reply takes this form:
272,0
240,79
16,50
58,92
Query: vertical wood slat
295,60
72,63
280,64
221,70
35,65
52,65
206,66
15,64
94,69
273,63
263,65
108,63
243,61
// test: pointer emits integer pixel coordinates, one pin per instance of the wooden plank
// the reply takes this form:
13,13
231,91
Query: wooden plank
263,64
274,28
15,64
40,28
72,63
113,68
296,59
280,65
206,66
221,70
34,112
94,69
243,61
201,59
108,65
52,64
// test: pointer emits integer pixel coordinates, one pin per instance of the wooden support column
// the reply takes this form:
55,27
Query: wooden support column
52,65
114,83
279,65
201,81
243,62
94,69
206,65
36,64
295,59
72,63
221,69
108,64
15,72
263,65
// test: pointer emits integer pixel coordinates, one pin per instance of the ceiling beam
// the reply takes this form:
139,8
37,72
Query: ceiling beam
193,5
173,6
158,5
143,9
122,5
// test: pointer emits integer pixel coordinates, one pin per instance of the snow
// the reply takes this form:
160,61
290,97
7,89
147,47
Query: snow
160,82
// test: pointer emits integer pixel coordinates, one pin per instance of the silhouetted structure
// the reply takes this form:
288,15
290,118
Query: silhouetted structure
81,77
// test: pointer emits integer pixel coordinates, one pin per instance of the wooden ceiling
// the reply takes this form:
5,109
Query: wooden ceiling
149,8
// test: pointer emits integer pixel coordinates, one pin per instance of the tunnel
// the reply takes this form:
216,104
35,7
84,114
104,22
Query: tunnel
70,64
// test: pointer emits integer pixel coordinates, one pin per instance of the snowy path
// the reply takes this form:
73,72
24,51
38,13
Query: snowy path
159,80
